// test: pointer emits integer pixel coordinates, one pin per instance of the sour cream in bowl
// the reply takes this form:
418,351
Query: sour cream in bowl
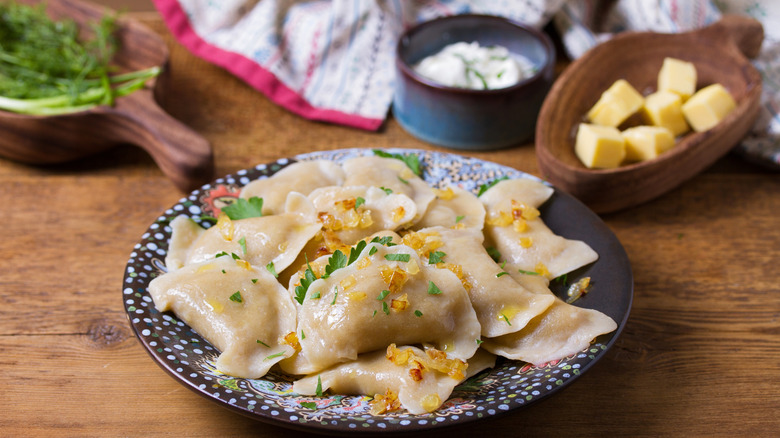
473,82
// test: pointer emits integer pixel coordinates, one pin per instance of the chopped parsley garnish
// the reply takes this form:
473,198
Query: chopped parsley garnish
398,257
458,219
527,272
385,308
506,319
418,313
479,341
243,209
336,261
306,281
254,280
309,405
502,273
386,190
242,242
383,295
335,295
373,314
485,187
403,180
303,335
412,161
281,353
358,202
220,254
494,254
263,343
237,297
563,279
315,296
224,272
436,257
270,267
318,391
372,251
433,289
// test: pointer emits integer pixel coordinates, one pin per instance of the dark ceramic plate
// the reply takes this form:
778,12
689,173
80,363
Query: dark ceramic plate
510,385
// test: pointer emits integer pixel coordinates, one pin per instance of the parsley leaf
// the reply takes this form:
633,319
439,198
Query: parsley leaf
281,353
506,319
336,261
270,267
263,343
383,295
385,308
436,257
494,254
433,289
386,190
242,242
418,313
354,253
484,187
527,272
358,202
502,273
243,209
412,161
398,257
237,297
459,218
306,281
318,391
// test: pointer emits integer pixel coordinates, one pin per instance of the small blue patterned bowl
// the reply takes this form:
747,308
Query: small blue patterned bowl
469,119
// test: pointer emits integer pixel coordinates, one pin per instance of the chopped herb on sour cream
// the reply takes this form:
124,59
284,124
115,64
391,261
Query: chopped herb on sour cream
467,65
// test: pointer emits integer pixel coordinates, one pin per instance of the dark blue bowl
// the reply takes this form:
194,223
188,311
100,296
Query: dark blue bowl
463,118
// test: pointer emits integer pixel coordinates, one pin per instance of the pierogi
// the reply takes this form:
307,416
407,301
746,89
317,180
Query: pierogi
360,278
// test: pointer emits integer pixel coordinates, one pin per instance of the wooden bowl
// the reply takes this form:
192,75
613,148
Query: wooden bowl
182,154
719,53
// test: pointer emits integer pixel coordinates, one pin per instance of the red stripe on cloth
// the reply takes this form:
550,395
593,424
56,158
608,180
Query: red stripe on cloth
252,73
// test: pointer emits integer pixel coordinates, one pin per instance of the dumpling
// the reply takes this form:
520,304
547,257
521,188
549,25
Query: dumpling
454,207
502,305
242,310
302,177
514,227
386,295
262,240
351,213
391,174
529,191
421,379
562,330
184,231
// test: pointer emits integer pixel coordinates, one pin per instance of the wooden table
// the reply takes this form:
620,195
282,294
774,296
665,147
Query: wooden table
700,354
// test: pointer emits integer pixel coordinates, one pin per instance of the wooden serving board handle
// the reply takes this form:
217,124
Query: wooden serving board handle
746,33
182,154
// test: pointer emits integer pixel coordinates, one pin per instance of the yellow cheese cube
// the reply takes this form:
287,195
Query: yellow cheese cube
599,146
616,104
678,77
708,107
647,142
664,108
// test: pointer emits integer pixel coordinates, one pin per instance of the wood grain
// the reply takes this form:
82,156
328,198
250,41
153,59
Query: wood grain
700,354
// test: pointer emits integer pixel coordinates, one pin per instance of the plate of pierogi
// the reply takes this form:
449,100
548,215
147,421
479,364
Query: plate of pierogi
377,290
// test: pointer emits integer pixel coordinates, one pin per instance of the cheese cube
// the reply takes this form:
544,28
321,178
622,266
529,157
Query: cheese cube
708,107
647,142
664,108
678,77
616,104
599,146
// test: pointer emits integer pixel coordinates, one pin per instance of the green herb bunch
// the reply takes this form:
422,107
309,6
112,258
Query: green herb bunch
45,69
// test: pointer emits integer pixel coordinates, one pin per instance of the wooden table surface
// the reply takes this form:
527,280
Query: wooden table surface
700,354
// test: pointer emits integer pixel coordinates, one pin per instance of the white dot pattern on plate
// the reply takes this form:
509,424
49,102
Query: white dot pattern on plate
191,359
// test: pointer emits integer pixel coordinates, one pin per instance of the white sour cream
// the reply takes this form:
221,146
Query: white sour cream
467,65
